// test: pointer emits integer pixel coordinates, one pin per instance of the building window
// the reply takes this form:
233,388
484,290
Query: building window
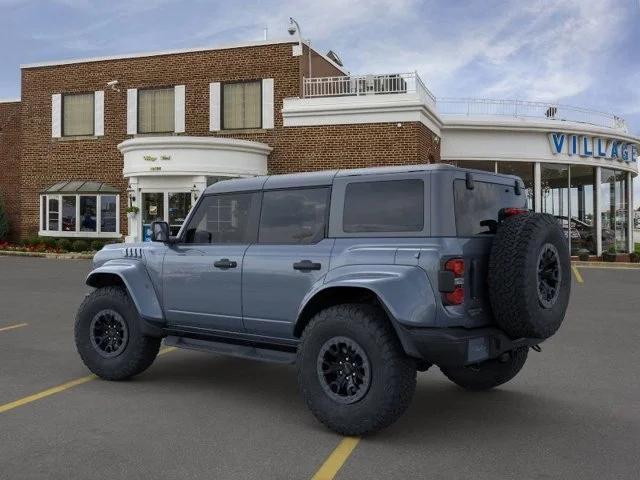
68,213
582,202
614,211
156,110
242,105
78,114
524,170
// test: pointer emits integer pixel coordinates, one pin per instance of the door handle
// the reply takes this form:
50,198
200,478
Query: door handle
225,263
305,265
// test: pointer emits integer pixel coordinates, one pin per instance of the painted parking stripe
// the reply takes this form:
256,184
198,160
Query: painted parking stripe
60,388
11,327
577,274
336,460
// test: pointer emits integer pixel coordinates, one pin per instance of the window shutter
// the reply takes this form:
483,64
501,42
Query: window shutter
179,94
98,113
132,111
267,103
56,115
214,107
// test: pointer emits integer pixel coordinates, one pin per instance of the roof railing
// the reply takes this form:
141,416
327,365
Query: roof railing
357,85
527,109
411,83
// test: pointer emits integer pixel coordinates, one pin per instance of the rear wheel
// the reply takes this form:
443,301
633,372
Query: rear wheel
488,374
352,371
108,336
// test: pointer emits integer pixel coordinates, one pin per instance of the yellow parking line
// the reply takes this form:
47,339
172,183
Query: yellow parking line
11,327
337,458
577,274
60,388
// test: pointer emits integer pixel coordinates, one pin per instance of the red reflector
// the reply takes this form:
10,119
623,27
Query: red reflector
455,265
456,297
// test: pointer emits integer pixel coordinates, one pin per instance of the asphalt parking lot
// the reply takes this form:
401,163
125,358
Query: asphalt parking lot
573,412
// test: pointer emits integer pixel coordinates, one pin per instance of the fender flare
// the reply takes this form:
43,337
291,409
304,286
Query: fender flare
404,292
133,275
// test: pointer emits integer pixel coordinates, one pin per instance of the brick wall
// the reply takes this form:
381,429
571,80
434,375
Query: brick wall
10,162
45,161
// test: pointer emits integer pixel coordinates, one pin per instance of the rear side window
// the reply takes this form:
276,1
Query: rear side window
296,216
385,206
477,209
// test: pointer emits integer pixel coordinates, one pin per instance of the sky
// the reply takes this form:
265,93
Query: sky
577,52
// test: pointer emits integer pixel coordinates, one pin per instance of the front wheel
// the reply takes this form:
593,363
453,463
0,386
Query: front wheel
488,374
352,371
108,336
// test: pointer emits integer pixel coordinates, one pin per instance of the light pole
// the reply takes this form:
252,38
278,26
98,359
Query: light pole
294,27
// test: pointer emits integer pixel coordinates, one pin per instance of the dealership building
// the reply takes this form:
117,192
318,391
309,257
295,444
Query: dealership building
101,147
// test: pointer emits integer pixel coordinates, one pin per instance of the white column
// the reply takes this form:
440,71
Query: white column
132,111
56,115
133,221
98,113
630,211
537,187
598,212
179,108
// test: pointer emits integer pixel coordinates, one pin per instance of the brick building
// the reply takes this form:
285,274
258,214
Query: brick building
150,131
91,137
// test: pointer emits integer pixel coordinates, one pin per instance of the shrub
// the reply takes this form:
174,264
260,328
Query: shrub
64,244
634,257
47,241
4,221
31,240
79,246
96,244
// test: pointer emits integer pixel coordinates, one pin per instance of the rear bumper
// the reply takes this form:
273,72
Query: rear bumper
463,346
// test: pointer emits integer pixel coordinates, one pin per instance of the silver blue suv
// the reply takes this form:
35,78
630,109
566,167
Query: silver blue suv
360,277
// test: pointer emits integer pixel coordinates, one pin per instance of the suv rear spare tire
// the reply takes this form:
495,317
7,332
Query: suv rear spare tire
529,276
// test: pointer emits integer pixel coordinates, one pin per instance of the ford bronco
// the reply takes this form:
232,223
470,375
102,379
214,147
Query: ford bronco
359,277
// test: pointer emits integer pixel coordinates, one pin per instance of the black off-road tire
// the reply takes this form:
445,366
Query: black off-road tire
392,373
521,245
488,374
138,352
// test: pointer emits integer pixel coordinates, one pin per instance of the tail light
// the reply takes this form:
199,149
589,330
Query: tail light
510,212
452,281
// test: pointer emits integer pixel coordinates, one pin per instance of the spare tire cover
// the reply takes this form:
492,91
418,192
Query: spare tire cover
529,276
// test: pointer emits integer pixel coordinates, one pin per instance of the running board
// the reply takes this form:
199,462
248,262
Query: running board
243,351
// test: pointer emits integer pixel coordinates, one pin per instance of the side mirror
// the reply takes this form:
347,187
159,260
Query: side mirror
160,232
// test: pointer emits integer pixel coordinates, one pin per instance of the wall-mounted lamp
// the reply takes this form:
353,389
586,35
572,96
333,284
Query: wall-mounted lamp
132,194
436,139
195,192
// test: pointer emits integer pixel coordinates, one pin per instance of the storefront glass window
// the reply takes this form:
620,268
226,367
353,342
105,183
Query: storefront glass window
108,213
152,211
179,206
69,214
555,193
524,170
88,213
582,206
614,211
477,165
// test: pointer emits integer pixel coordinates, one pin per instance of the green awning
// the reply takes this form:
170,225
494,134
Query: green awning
80,186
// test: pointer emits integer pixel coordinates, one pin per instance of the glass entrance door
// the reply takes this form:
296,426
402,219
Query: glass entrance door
170,207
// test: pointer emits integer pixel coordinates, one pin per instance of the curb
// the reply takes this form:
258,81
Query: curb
58,256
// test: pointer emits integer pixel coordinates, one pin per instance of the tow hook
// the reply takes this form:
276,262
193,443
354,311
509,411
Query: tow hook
536,348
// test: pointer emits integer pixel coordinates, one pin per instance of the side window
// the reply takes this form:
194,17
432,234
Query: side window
384,206
295,216
224,218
